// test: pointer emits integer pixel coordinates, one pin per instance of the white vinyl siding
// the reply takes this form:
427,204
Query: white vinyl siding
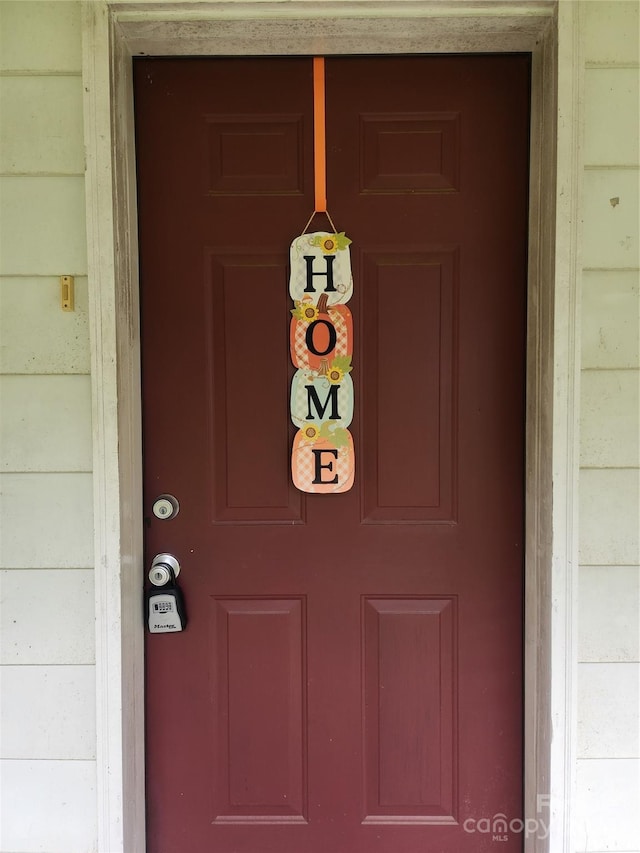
608,766
47,612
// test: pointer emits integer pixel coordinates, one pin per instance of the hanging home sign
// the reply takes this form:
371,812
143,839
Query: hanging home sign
321,341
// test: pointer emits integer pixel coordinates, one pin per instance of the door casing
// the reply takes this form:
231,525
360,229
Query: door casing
115,31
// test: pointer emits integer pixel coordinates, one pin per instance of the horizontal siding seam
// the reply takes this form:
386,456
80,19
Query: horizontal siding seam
47,569
601,369
84,473
36,759
41,174
611,167
7,276
84,760
13,471
595,65
47,665
26,72
610,468
612,758
610,269
55,274
29,175
47,472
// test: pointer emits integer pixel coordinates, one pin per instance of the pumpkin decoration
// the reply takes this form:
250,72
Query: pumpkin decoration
322,460
320,253
321,326
316,398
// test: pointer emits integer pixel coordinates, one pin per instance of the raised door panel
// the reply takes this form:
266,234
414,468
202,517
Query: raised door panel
259,701
249,431
410,709
408,424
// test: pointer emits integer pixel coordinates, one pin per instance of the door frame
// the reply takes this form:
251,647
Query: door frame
113,32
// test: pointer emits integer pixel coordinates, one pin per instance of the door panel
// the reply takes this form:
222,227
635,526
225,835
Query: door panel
409,641
243,299
261,732
409,319
350,680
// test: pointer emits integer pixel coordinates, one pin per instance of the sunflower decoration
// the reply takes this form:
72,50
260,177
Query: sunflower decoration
309,312
305,311
330,243
310,432
335,375
340,365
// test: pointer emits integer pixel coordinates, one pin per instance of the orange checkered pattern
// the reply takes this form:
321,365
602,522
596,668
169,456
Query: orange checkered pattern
303,467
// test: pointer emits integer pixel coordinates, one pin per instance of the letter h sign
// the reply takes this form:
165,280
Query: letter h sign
321,342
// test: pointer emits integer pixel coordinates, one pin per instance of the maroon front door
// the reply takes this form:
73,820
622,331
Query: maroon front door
350,680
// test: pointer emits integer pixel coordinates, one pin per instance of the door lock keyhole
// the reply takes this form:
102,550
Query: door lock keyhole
165,507
164,568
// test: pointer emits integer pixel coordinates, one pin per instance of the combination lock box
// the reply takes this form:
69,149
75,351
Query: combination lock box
165,610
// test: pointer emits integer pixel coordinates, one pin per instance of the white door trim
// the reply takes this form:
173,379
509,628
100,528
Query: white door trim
112,33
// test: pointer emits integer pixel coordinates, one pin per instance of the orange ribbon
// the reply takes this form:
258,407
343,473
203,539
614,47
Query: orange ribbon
319,136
